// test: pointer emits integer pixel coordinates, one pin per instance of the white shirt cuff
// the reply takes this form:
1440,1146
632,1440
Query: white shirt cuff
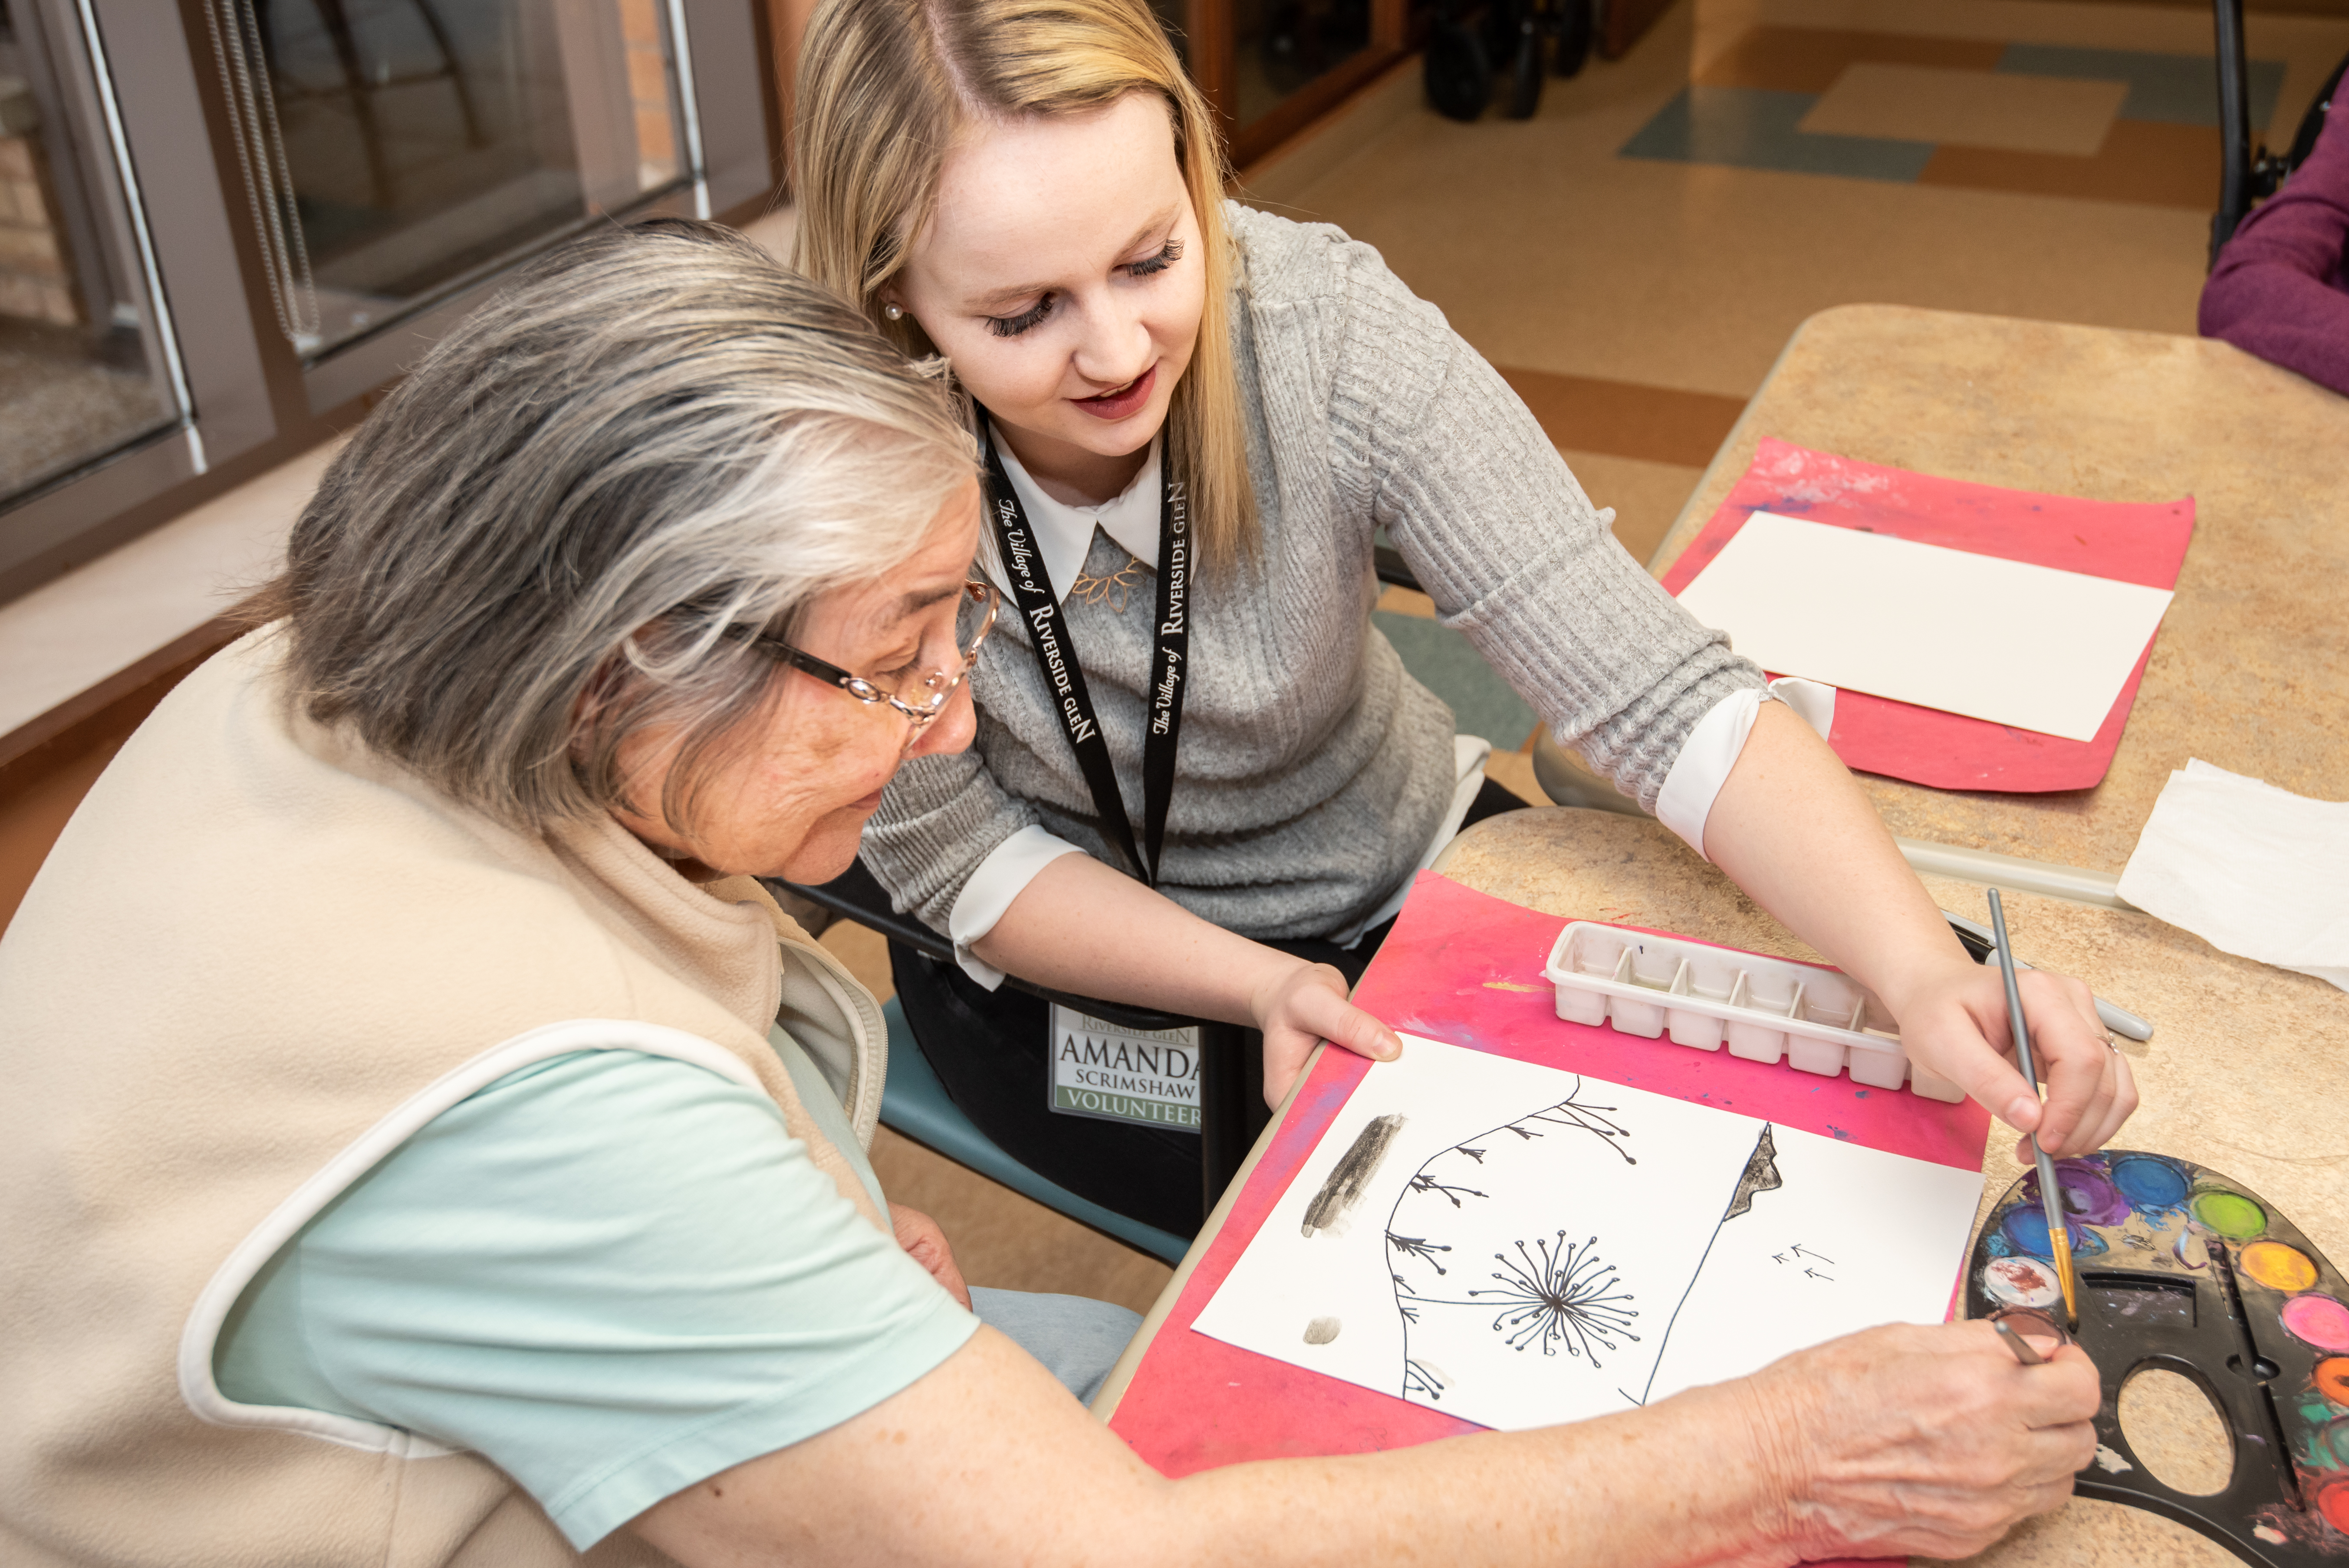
1468,754
1713,748
999,880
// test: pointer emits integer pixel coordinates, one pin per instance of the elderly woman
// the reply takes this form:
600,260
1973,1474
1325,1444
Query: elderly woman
427,1145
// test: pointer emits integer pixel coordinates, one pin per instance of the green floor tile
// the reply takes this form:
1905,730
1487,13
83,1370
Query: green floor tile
1442,661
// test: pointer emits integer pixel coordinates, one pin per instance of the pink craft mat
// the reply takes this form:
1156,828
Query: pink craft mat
2141,542
1465,969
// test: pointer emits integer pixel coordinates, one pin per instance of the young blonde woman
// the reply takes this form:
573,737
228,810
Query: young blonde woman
1202,778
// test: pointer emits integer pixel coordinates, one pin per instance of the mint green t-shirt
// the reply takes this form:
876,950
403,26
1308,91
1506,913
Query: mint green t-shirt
612,1275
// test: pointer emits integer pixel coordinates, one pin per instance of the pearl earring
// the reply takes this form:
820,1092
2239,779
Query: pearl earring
894,312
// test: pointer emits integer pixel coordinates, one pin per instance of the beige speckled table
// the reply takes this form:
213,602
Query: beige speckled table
2248,1073
2234,1078
2252,669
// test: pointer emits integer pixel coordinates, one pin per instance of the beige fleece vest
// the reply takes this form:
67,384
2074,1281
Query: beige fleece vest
257,960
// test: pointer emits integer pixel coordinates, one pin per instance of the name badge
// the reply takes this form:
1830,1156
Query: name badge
1101,1070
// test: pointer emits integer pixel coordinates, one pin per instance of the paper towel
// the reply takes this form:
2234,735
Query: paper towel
2253,869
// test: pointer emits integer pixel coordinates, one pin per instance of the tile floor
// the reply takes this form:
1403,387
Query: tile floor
1635,256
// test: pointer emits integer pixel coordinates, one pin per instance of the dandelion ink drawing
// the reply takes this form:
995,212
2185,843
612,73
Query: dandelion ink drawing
1423,1182
1549,1293
1571,1113
1562,1297
1417,1247
1518,1245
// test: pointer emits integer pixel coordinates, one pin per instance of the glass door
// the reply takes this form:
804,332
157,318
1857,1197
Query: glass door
1282,45
224,222
85,369
1272,66
396,149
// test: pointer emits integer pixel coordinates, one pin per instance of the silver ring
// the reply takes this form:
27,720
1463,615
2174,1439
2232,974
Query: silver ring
2111,1044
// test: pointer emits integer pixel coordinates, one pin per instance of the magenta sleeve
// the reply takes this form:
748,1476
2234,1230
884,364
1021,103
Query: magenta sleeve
2280,289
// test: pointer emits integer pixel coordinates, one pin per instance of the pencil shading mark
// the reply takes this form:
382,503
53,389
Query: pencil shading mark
1351,1175
1323,1330
1760,1175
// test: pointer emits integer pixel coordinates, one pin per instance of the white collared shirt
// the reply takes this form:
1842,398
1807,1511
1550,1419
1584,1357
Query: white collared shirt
1064,533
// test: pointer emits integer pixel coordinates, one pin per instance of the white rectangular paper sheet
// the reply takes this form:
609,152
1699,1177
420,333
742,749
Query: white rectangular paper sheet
2004,641
1534,1246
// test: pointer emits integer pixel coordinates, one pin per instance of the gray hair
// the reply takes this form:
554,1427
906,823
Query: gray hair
539,544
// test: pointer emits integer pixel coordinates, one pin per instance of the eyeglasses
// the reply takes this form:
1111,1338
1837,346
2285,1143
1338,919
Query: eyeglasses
921,697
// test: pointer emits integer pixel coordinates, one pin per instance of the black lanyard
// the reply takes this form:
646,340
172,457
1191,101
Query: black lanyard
1056,656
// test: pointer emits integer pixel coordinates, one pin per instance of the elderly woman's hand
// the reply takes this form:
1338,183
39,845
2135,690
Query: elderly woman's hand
1298,1005
1909,1439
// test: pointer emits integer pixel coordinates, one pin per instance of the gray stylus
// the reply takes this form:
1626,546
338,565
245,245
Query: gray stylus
1980,944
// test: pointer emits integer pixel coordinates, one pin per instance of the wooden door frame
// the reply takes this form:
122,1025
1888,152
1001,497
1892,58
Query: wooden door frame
1213,66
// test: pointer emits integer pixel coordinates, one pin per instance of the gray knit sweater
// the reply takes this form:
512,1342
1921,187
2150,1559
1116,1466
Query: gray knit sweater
1312,769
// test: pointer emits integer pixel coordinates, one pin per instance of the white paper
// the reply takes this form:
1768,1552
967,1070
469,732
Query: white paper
1998,640
2253,869
1536,1246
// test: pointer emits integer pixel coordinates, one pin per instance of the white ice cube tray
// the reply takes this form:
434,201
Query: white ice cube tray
1763,1009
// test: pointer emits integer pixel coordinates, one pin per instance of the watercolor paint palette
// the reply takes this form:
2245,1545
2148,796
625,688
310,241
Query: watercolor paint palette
1763,1009
2186,1269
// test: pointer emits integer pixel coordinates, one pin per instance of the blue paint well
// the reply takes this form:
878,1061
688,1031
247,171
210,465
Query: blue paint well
2150,1184
2172,89
1754,128
2026,1229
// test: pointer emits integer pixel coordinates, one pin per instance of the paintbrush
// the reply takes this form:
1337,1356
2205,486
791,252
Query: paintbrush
2050,1196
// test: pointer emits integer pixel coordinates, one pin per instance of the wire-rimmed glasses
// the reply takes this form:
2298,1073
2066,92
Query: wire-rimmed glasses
921,696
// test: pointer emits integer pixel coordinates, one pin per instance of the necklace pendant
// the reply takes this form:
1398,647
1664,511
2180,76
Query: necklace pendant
1113,589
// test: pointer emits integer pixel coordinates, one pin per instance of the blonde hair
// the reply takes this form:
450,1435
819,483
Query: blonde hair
883,87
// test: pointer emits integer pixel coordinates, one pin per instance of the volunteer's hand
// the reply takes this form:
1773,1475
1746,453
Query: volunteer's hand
1953,1021
1299,1005
927,1245
1912,1439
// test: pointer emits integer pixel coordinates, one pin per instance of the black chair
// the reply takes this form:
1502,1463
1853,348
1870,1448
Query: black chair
1232,1111
2248,173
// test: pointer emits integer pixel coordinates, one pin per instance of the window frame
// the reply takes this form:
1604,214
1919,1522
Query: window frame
153,127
